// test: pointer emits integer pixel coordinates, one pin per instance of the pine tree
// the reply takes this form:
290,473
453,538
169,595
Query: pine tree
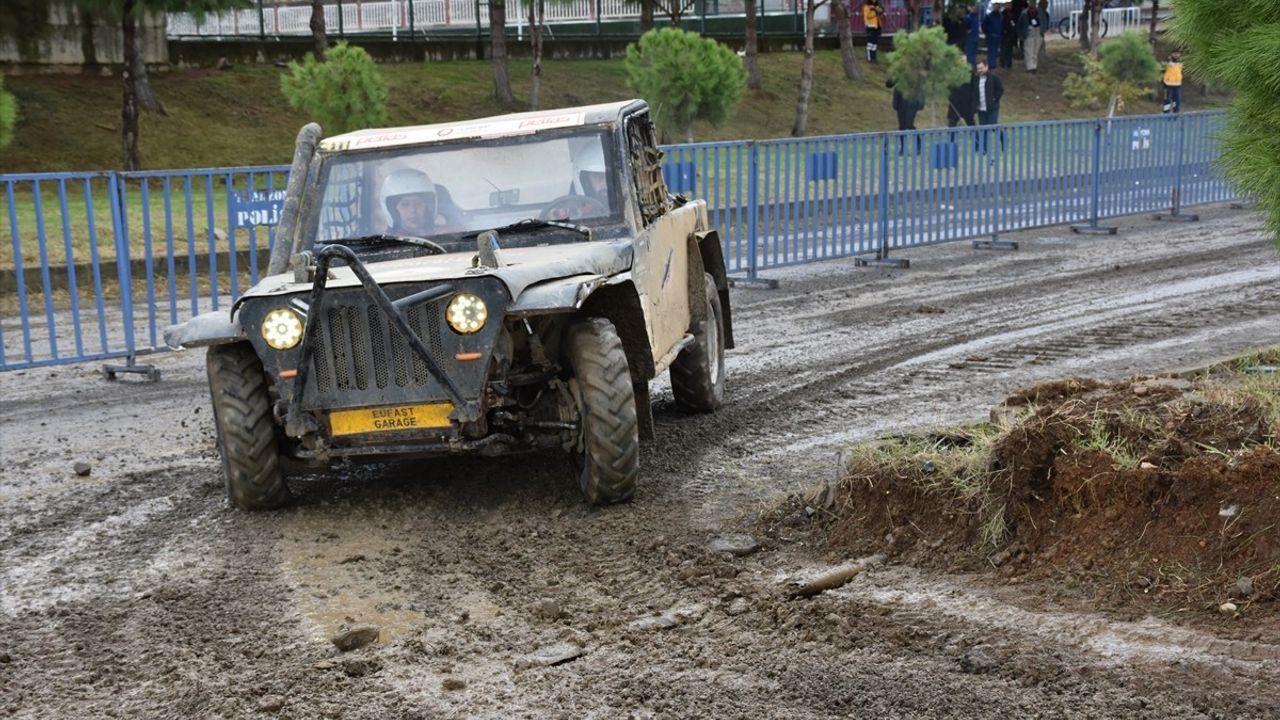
1237,45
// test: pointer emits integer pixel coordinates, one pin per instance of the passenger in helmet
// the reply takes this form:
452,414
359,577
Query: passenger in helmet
590,174
409,198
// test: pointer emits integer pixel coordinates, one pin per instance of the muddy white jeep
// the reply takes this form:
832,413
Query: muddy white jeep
493,286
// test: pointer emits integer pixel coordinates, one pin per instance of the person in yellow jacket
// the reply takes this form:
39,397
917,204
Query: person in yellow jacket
873,18
1173,83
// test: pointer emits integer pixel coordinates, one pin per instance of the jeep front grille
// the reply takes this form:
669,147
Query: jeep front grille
358,349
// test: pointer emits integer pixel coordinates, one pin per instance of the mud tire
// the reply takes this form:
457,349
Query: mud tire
247,439
697,375
608,462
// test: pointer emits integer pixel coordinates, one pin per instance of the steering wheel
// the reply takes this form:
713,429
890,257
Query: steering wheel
573,207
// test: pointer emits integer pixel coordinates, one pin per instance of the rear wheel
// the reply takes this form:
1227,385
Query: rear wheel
247,438
697,375
607,459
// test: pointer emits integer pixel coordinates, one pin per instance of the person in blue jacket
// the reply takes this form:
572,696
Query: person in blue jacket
974,23
991,26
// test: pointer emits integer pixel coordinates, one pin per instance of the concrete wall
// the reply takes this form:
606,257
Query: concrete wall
60,44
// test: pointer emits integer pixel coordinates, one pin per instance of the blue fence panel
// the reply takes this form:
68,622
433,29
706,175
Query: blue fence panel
56,303
188,241
197,240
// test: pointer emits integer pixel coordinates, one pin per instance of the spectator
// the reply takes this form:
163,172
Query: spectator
1031,30
1008,36
873,18
987,91
906,109
991,26
1173,83
974,28
955,27
960,104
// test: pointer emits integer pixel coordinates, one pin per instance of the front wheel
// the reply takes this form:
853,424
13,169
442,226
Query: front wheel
697,375
247,438
607,459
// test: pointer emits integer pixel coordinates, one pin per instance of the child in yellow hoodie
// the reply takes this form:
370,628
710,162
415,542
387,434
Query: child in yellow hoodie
1173,83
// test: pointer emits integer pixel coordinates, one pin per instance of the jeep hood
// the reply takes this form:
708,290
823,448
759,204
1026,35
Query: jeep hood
522,267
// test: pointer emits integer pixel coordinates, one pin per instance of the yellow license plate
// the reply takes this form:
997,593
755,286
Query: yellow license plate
390,418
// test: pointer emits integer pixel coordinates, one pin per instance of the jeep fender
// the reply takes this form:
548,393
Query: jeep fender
211,328
704,246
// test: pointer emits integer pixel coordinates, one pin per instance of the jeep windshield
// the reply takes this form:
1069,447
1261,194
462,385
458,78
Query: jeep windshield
449,192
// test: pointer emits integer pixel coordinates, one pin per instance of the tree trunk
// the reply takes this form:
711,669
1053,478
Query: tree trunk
1095,28
754,81
319,41
498,44
1155,10
88,45
147,99
646,16
129,109
1086,15
806,71
848,56
537,11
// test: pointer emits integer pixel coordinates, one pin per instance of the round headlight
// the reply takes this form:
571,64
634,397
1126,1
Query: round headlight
282,329
466,313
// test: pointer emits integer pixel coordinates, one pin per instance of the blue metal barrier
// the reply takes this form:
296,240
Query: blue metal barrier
184,242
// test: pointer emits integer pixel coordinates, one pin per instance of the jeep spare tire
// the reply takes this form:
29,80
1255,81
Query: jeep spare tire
607,459
697,375
247,438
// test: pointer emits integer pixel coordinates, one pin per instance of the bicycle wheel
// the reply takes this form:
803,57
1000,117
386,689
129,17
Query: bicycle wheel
1064,28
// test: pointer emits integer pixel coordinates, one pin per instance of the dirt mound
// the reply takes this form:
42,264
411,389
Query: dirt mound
1151,494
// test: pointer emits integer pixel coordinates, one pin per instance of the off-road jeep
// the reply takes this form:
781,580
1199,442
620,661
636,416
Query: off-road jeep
494,286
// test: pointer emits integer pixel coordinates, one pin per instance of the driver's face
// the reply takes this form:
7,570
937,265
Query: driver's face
413,213
597,184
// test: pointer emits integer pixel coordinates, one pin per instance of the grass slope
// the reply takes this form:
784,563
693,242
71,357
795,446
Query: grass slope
239,117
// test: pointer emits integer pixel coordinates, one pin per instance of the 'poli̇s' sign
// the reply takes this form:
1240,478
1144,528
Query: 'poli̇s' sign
256,207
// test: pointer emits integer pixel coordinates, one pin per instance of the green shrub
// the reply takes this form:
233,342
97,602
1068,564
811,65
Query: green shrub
343,93
924,67
685,77
1121,74
8,115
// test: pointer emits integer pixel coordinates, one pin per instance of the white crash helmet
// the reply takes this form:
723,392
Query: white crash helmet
589,160
406,181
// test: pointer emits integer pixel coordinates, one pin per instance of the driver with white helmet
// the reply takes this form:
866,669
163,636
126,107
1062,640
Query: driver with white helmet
590,175
409,198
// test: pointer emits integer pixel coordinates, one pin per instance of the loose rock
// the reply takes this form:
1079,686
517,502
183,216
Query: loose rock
980,659
737,545
356,636
82,468
453,684
548,609
1227,608
359,667
739,606
1243,587
271,703
653,622
551,655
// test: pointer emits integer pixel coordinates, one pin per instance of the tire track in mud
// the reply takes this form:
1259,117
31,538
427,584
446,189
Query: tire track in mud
472,565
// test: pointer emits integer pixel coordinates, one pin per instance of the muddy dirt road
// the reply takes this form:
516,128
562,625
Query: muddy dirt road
137,592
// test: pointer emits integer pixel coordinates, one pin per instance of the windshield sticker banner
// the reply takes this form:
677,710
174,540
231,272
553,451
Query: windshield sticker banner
456,131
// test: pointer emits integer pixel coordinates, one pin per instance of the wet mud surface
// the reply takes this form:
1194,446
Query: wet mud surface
135,591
